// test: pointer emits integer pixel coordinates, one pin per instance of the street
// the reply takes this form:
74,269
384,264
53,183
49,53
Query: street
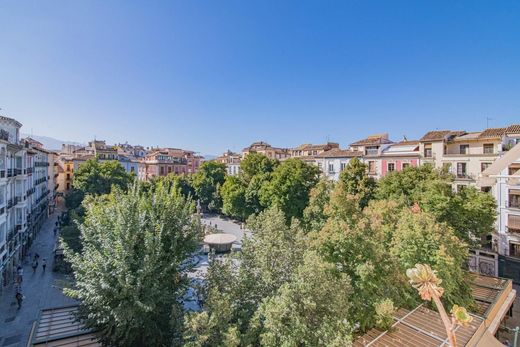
41,290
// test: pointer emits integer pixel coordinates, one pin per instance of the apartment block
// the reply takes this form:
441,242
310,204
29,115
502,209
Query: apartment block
27,193
165,161
232,162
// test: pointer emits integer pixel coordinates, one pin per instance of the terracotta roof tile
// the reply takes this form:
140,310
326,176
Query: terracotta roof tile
372,140
513,129
339,153
493,132
437,135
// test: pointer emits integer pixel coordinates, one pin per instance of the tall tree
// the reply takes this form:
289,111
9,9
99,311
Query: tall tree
314,215
309,310
256,164
356,181
469,212
289,187
233,195
236,288
96,178
131,277
207,182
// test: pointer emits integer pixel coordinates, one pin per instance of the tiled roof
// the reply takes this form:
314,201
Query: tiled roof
372,140
513,129
493,132
437,135
308,146
339,153
406,143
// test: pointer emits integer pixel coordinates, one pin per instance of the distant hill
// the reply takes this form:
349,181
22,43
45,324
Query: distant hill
209,156
50,142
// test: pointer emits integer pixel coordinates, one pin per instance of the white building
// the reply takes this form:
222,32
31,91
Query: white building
26,188
332,162
503,178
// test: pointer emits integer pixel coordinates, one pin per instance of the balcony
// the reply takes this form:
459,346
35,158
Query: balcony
29,170
10,203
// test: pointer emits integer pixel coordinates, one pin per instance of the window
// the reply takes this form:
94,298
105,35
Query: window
68,185
488,148
514,249
371,167
514,198
343,165
463,149
461,170
331,168
68,176
460,187
446,167
484,166
391,167
405,165
132,169
161,171
428,150
371,150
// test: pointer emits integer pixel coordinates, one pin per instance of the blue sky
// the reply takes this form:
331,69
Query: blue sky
213,75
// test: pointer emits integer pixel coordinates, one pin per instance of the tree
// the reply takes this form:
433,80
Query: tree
419,238
97,178
314,215
233,195
256,164
469,212
131,277
181,183
376,245
356,181
236,287
206,183
309,310
289,187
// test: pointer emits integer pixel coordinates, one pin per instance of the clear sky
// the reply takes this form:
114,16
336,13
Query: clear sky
213,75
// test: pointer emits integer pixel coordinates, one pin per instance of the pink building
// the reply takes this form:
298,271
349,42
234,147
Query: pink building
398,156
165,161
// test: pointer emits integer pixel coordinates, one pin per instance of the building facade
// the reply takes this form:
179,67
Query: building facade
26,194
267,150
332,162
232,162
165,161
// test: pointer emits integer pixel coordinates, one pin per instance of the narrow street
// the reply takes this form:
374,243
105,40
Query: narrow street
41,290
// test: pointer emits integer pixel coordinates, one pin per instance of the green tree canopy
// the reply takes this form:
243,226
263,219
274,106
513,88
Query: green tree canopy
469,212
256,164
235,288
356,181
314,215
234,202
289,187
97,177
309,310
130,277
206,183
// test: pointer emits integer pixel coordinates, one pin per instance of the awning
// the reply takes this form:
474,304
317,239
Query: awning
514,191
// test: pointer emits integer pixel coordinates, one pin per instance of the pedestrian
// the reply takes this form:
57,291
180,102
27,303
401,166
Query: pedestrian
20,274
44,264
19,299
55,231
36,256
34,265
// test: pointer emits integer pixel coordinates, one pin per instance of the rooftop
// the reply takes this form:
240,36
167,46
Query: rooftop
423,327
339,153
439,135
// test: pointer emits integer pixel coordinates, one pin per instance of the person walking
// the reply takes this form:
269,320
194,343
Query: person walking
34,265
19,299
44,264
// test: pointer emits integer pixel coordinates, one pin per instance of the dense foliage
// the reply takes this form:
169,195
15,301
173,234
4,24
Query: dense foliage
469,212
130,277
207,182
